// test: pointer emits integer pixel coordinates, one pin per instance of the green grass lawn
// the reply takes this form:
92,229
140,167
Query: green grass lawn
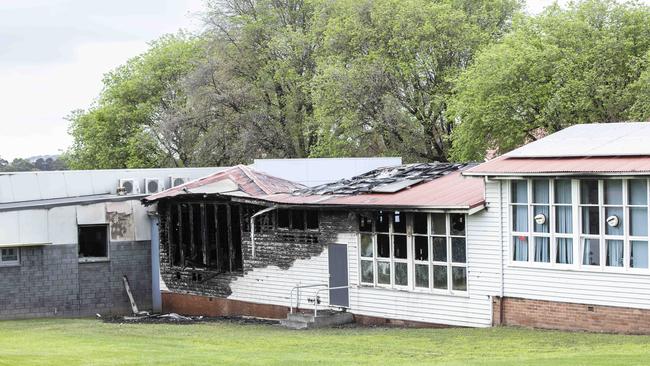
90,342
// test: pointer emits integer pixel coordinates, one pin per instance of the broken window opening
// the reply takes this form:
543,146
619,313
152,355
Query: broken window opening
297,220
93,241
205,235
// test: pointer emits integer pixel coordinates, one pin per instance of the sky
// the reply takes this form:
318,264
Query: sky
54,53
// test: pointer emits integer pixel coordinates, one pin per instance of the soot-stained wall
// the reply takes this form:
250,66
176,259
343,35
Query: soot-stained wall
273,247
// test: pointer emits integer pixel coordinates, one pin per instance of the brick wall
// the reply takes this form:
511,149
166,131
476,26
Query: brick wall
570,316
50,281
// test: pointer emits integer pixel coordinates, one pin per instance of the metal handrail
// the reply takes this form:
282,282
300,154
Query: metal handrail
298,287
329,288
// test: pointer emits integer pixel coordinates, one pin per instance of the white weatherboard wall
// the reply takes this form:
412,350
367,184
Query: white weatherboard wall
567,285
272,285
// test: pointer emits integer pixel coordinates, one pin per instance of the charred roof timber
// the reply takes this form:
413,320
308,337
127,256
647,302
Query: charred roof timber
385,180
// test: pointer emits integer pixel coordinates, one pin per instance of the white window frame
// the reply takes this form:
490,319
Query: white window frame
577,236
410,260
10,263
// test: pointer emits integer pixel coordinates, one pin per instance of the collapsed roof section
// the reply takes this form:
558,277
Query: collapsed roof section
415,186
238,181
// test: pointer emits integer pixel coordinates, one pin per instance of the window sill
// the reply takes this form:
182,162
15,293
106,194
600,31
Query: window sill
94,260
464,294
9,265
581,268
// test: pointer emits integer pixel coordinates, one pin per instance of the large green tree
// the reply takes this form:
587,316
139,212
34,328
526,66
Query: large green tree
589,62
386,70
132,123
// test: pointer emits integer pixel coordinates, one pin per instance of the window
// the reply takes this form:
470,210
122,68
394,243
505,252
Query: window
413,250
93,241
590,223
9,256
298,220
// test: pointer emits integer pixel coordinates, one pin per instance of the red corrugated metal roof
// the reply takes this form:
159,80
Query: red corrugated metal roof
249,182
450,191
594,165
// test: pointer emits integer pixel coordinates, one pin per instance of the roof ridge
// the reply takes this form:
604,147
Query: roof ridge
249,173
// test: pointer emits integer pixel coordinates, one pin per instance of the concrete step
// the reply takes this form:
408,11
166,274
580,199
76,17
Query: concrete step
323,320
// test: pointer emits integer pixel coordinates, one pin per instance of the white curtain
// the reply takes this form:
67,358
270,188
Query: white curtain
639,254
591,254
563,219
565,250
520,218
563,191
520,248
615,253
638,221
542,250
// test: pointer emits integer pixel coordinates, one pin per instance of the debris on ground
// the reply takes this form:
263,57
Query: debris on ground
173,318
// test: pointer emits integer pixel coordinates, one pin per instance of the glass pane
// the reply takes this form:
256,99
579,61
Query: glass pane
366,245
366,272
563,219
540,191
440,277
422,275
457,224
520,248
365,222
459,278
590,220
591,252
638,254
383,246
614,221
381,222
421,252
438,224
9,255
401,274
542,250
614,253
589,191
638,221
439,249
638,192
519,191
383,273
399,246
420,223
541,212
563,191
399,222
520,218
613,191
458,250
564,251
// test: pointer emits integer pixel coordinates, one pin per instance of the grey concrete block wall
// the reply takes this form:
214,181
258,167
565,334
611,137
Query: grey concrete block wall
50,281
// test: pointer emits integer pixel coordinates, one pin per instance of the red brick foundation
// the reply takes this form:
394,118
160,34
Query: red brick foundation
215,306
569,316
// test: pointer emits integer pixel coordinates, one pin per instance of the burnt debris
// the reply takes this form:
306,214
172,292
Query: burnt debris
385,180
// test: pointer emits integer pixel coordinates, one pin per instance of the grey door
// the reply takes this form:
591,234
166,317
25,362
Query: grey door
338,265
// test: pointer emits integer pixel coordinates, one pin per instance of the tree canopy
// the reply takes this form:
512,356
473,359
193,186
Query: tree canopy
585,64
423,79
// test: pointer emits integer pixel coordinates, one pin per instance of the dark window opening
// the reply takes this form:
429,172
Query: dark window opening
420,223
312,220
93,241
298,219
204,235
399,222
365,223
283,219
399,246
381,222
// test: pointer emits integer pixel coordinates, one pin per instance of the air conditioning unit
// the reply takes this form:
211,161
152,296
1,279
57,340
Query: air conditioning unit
177,181
153,185
128,186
